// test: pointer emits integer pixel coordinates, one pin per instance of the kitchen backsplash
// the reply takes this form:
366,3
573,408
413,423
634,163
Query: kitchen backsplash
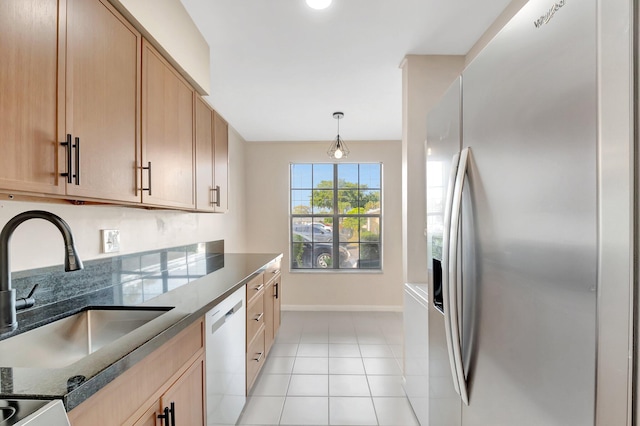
127,279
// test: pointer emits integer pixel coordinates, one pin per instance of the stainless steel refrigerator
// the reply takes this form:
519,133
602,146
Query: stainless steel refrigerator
512,209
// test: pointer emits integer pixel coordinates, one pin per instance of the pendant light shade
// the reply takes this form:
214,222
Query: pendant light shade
338,148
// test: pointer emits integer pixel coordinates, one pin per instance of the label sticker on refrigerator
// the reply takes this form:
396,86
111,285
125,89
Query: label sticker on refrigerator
544,19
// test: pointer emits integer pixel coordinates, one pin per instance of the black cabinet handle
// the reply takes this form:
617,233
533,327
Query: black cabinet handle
67,145
168,416
76,146
148,168
275,285
164,418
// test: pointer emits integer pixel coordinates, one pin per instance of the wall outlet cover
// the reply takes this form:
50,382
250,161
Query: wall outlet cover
110,240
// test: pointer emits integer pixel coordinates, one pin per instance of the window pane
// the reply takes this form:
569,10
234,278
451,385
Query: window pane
370,176
347,175
322,201
349,229
301,229
301,202
323,175
348,201
349,256
300,176
299,255
369,229
322,256
321,232
369,256
370,201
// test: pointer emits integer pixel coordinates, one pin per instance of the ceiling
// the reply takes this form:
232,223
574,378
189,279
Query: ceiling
279,69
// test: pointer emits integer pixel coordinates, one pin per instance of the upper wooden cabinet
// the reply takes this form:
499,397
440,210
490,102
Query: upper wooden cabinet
221,136
103,102
167,133
90,111
30,95
206,191
69,68
211,159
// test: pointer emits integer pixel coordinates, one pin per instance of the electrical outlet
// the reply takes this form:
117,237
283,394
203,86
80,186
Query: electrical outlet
110,240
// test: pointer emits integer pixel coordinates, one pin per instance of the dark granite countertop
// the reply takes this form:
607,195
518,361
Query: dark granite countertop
191,287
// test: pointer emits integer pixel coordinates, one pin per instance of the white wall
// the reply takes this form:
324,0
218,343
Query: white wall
497,25
36,243
424,81
267,183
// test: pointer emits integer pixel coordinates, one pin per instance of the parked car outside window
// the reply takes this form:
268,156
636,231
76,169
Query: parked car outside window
310,254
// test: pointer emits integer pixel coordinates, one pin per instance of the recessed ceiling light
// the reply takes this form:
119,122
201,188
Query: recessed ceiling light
318,4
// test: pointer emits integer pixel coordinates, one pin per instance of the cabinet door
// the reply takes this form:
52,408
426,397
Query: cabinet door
150,417
269,293
206,193
102,110
31,92
221,172
187,396
277,316
167,133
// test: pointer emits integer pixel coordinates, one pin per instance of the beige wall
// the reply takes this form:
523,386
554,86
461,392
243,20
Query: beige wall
37,243
267,183
424,81
506,15
170,28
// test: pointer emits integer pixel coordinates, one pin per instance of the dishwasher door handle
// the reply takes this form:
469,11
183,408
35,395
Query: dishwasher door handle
220,322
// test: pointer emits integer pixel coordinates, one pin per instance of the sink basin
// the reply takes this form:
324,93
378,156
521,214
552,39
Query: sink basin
28,412
72,338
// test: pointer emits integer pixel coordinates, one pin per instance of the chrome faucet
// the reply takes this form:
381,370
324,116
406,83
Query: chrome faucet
72,262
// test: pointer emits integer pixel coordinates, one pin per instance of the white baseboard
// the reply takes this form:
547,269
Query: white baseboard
338,308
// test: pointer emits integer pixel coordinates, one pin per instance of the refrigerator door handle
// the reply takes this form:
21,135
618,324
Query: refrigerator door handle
456,209
446,244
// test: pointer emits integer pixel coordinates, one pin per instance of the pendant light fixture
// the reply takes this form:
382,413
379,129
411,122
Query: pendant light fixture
338,148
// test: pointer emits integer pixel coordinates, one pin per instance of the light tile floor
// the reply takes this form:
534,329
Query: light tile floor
332,368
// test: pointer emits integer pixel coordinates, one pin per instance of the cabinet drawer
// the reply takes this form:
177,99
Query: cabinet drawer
255,287
255,316
273,269
255,359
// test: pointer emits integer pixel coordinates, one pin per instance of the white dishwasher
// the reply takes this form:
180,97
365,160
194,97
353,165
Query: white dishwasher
225,360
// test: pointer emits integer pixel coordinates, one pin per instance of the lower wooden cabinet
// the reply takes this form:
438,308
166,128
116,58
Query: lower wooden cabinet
183,401
263,318
269,336
277,314
172,373
255,358
272,313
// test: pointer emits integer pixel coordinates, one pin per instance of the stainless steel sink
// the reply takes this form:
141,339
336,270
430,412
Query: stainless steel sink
72,338
27,412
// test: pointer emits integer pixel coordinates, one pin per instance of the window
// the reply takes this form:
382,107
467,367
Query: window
336,208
